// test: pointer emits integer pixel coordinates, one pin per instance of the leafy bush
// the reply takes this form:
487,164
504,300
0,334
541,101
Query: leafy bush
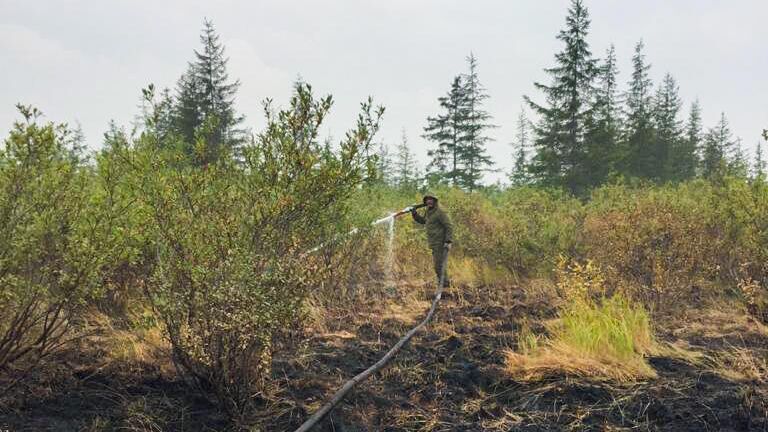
523,230
125,275
53,239
659,244
232,237
662,244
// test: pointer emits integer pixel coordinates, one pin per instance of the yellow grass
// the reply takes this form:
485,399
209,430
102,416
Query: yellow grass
606,338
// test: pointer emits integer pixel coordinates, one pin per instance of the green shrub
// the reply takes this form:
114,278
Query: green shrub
125,275
521,230
53,240
231,242
661,244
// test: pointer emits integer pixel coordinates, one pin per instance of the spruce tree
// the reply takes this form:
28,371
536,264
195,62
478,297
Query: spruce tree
561,156
640,158
718,144
472,153
384,164
688,154
669,148
404,166
737,161
758,169
74,142
114,138
188,115
603,127
447,131
218,92
519,175
205,114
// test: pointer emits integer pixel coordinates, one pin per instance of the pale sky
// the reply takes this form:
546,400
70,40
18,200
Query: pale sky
85,61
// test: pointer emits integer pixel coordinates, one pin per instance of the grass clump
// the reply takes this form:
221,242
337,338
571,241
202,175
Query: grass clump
595,335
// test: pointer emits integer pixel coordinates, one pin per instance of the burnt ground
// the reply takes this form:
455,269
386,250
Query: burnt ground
78,391
449,378
453,379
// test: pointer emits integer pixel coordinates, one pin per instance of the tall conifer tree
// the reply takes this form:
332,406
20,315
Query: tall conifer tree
384,164
758,169
718,145
669,146
737,162
640,159
205,114
472,152
561,156
603,128
688,162
446,131
519,175
404,168
693,141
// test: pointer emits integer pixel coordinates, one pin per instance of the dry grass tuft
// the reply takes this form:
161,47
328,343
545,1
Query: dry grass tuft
558,361
683,350
741,364
142,343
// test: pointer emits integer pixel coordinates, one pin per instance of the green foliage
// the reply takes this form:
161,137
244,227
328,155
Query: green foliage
668,148
460,158
717,150
660,244
405,173
602,140
594,335
522,230
758,168
561,152
657,244
527,231
687,161
743,209
521,146
613,330
638,136
54,237
232,271
581,141
445,131
596,325
202,112
473,155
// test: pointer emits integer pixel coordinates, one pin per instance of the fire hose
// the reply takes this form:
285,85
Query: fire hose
349,385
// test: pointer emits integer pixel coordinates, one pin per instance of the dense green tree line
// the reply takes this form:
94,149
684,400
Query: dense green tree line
586,132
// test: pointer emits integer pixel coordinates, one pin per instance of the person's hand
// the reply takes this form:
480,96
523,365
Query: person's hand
447,245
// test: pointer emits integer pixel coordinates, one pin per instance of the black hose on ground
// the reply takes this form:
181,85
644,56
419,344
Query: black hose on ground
349,385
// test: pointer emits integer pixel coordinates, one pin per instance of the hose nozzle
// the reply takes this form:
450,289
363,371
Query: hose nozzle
410,209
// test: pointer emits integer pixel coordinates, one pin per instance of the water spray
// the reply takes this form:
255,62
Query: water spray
387,219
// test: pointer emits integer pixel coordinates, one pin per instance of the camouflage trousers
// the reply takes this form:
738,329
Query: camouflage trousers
438,254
